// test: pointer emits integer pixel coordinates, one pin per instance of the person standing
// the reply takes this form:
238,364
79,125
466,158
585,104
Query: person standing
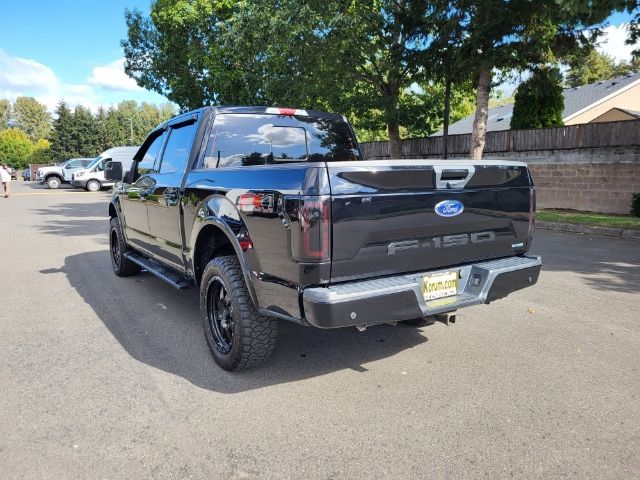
5,178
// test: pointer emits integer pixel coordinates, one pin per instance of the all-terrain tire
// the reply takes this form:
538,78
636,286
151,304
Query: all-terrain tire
253,336
122,266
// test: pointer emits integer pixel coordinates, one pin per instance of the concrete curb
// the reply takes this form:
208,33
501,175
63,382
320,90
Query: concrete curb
587,229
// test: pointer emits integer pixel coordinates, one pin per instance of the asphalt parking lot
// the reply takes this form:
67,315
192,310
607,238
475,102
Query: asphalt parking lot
103,377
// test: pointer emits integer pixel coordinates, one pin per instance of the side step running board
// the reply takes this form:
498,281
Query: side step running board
172,278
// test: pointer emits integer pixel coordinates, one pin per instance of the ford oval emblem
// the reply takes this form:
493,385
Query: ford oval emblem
449,208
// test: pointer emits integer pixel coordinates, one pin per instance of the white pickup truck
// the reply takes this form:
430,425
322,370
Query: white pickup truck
56,175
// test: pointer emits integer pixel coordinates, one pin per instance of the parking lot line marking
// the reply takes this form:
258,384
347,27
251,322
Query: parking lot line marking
49,193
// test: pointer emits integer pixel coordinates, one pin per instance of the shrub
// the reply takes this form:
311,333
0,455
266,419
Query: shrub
539,101
635,204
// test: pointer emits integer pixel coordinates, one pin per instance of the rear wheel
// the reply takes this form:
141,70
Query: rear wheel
93,185
237,335
122,266
54,182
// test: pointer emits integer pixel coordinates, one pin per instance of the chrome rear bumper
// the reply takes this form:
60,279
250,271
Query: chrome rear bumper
400,298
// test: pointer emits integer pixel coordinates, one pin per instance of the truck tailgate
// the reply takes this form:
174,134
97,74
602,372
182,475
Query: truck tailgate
398,216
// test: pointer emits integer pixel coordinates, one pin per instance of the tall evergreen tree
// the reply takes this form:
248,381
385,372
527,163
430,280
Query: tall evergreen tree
62,140
102,137
84,133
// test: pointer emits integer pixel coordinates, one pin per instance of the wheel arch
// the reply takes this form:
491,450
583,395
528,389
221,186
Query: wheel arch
113,212
213,239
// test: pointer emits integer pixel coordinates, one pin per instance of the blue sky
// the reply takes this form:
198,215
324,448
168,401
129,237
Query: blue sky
67,48
71,49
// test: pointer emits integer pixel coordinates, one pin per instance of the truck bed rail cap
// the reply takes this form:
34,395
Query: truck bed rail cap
428,163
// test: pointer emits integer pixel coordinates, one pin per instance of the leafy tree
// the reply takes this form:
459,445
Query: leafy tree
357,57
41,153
633,7
5,113
63,145
494,35
625,68
539,101
32,118
176,51
15,148
588,65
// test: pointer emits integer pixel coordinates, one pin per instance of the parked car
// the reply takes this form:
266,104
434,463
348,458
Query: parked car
352,242
26,174
56,175
14,173
92,176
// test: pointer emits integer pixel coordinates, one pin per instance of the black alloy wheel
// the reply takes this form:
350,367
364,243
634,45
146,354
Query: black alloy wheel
237,334
220,314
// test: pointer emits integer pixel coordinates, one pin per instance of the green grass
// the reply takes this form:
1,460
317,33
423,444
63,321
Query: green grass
626,222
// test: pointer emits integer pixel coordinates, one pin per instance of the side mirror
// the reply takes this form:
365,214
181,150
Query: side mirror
113,171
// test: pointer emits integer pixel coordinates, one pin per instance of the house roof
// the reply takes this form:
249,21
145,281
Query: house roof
576,100
633,113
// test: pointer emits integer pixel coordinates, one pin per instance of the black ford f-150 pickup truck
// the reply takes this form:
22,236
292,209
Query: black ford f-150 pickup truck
273,214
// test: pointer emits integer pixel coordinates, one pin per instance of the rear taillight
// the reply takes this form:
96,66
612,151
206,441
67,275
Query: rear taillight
532,210
310,228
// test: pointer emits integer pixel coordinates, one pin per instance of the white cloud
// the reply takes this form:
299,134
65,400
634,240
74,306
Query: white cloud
613,43
112,77
107,85
24,75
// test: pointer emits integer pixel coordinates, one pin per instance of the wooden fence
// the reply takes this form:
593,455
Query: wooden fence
588,135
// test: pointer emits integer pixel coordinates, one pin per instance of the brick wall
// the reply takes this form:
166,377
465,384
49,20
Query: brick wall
596,187
590,179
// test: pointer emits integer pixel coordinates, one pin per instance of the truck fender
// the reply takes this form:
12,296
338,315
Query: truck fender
208,221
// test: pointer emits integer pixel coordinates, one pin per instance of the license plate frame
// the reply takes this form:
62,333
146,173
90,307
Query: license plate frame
439,285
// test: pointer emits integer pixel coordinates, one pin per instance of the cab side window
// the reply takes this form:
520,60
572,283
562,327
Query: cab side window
74,164
176,153
100,166
148,162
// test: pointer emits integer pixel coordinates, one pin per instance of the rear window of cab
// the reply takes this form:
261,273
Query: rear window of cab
255,139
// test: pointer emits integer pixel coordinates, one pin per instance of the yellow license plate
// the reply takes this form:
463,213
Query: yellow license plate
440,285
